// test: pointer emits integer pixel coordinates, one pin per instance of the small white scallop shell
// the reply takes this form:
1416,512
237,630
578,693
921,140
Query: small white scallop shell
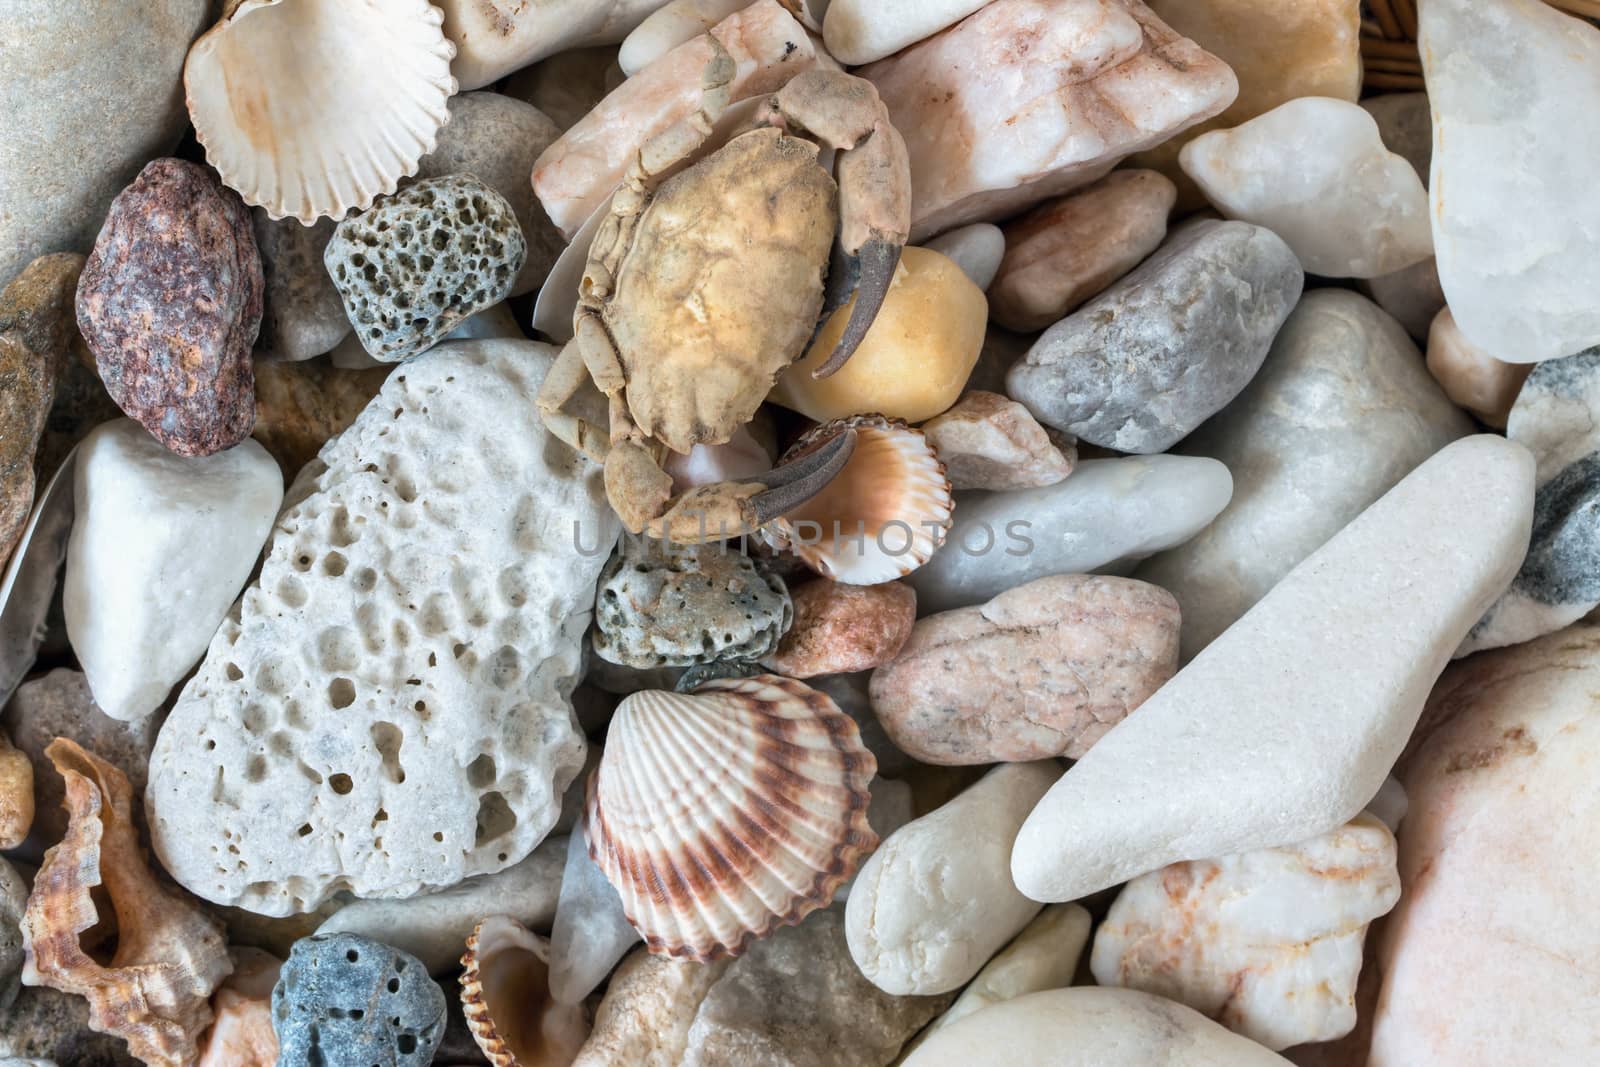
885,513
722,814
313,107
505,996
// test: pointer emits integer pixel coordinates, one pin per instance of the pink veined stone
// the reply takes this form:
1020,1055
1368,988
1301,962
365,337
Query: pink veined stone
1028,99
574,175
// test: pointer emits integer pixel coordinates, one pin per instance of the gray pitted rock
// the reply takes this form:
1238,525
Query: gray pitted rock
348,1001
303,316
421,261
663,605
13,899
170,303
42,1024
1140,366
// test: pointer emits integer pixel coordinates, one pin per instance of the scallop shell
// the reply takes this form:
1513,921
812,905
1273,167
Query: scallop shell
507,977
893,493
722,814
314,107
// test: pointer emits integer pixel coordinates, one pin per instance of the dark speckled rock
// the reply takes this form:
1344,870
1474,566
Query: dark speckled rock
170,303
347,1001
47,1025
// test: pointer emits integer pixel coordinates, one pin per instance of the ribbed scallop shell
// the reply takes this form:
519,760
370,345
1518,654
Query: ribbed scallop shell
893,493
314,107
505,996
722,814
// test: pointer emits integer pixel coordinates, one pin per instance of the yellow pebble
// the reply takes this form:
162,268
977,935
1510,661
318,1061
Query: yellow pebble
914,361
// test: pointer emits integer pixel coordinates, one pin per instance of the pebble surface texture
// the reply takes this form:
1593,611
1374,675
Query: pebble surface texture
420,262
13,899
348,1001
1144,363
302,315
665,605
1487,959
1471,377
1322,682
170,302
840,629
301,406
1513,85
387,711
1044,669
988,441
977,249
44,1028
1341,410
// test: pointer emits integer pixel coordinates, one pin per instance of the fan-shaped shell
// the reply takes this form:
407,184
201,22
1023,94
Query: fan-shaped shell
505,996
722,814
314,107
885,513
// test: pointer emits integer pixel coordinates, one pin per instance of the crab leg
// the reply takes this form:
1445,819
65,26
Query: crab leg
844,112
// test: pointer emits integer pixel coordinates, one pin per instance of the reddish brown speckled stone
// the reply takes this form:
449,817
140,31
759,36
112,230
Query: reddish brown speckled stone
170,302
842,628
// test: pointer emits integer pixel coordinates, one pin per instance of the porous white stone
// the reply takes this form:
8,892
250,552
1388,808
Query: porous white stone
1287,724
1516,147
387,710
935,901
977,249
1316,173
161,544
1268,943
1108,512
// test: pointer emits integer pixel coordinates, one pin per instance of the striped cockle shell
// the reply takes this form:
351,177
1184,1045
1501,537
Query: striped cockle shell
722,814
885,513
313,107
505,996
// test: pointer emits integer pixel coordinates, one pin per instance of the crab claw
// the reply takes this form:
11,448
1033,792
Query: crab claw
799,480
871,271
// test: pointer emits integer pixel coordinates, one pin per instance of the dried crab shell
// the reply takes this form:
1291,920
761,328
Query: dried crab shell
885,513
722,814
314,107
506,977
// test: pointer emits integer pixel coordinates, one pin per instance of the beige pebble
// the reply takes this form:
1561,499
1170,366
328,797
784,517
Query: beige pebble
16,794
1471,377
1044,669
1067,251
988,441
839,629
241,1033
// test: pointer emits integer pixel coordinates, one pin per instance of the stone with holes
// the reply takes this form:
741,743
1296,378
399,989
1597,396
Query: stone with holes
349,1001
387,709
417,264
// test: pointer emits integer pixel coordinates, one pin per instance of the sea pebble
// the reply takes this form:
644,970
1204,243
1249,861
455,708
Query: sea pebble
81,401
16,796
170,303
665,605
591,931
49,1028
840,629
1029,99
935,902
977,249
1557,417
434,926
1484,960
90,94
1413,296
649,1005
567,85
302,406
1148,360
418,263
1405,123
988,441
1321,682
916,357
302,315
496,139
1065,252
141,604
672,24
1268,943
13,900
36,334
242,1034
1315,171
349,1001
1471,377
1513,86
860,31
1341,410
1111,511
458,741
59,704
1087,1027
492,40
1044,669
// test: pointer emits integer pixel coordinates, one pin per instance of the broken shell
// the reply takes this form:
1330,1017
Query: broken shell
722,814
507,976
155,992
313,107
885,513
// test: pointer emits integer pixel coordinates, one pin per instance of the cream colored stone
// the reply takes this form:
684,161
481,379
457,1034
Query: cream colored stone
649,1006
242,1034
1029,99
16,795
495,37
1471,377
988,441
860,31
669,26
